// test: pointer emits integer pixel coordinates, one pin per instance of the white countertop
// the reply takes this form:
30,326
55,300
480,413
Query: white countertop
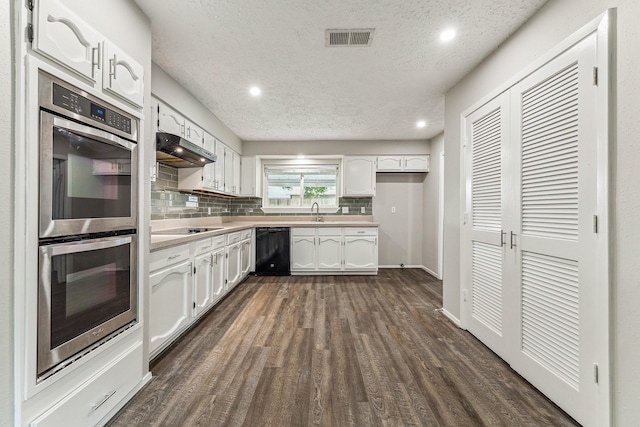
165,241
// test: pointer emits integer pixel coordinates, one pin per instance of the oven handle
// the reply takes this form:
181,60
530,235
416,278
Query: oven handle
89,132
85,245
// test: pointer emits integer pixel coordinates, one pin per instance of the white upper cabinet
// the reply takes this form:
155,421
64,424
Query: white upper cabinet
62,36
389,163
248,179
122,76
219,172
414,163
65,38
235,176
193,133
168,119
209,170
359,176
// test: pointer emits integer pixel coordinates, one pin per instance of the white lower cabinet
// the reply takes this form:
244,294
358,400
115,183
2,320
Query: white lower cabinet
360,253
187,280
233,265
303,249
170,303
218,274
329,249
202,283
245,257
325,250
90,403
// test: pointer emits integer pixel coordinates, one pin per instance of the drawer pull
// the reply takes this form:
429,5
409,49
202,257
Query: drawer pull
173,257
205,248
106,397
360,232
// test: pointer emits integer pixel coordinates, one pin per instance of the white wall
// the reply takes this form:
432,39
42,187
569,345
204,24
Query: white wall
170,91
6,215
400,233
553,23
431,208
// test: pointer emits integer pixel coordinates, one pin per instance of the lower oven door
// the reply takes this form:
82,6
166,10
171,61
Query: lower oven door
87,291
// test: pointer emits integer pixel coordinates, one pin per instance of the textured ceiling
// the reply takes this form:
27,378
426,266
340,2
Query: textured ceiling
218,49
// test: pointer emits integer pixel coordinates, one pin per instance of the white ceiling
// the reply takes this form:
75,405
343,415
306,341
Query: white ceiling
218,49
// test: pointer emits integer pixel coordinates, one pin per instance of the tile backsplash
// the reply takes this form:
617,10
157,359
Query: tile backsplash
169,203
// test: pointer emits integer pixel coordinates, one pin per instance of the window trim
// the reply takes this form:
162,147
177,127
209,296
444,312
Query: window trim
297,161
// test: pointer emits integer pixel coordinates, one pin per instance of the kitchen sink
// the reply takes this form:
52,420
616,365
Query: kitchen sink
184,231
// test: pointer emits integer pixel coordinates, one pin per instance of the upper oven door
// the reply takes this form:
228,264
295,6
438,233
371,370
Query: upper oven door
87,179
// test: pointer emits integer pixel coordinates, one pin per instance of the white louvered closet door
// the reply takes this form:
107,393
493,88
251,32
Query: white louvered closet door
554,138
486,132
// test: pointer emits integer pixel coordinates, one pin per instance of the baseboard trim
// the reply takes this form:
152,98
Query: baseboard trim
431,272
398,266
421,267
450,316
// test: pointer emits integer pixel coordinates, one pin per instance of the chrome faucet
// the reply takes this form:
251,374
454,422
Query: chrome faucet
317,210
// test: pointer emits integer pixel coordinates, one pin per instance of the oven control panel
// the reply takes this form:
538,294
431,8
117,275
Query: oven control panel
69,100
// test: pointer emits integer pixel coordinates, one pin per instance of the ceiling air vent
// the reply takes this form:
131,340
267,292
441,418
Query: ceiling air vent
349,38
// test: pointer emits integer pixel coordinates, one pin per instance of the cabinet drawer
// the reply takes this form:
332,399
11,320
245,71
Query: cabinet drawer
306,231
245,234
166,257
219,242
202,246
234,237
360,231
329,231
88,404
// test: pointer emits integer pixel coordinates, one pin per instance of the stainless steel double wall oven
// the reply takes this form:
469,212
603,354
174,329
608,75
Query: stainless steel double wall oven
88,183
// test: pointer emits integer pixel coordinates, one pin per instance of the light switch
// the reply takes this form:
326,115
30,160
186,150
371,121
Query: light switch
362,209
393,209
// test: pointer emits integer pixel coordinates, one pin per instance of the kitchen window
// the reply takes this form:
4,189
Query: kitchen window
296,187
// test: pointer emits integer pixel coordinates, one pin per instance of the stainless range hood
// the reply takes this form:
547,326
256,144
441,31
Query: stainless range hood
175,151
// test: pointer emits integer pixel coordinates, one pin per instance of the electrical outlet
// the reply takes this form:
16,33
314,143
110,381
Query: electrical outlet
363,210
345,209
393,209
208,211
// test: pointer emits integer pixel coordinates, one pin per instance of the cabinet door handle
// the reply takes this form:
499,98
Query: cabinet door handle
106,397
502,235
112,67
95,58
513,235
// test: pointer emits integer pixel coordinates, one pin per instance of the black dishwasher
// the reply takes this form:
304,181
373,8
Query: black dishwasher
272,251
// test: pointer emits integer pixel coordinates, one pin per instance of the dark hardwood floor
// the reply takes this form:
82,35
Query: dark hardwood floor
335,351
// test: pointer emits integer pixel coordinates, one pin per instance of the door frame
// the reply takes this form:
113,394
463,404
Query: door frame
604,26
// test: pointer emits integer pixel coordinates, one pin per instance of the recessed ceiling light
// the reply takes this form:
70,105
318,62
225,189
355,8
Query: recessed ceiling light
421,124
448,35
255,91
